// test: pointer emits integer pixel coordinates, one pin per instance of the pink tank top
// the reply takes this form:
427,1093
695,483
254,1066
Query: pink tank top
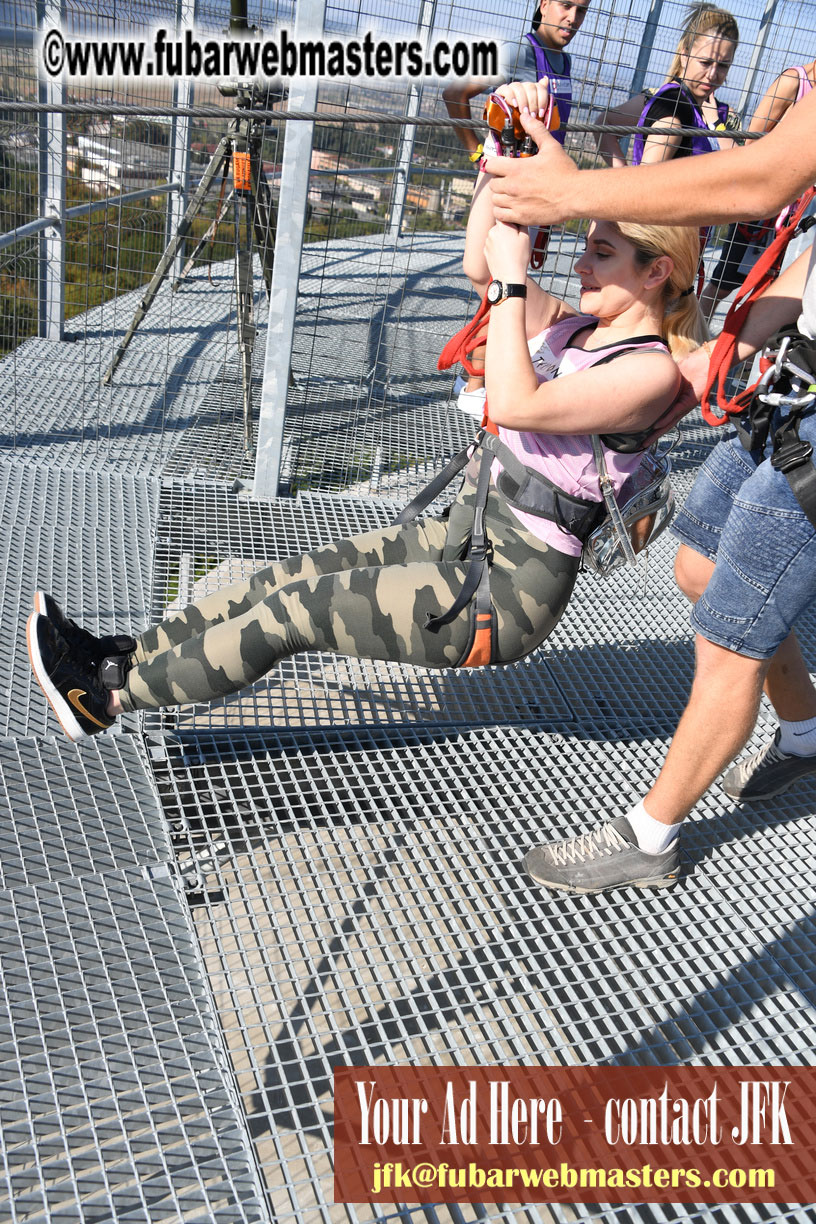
566,459
804,83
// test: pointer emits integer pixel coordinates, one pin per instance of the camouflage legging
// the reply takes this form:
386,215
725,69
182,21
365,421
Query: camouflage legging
366,596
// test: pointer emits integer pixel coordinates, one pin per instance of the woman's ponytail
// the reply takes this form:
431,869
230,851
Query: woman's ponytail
684,328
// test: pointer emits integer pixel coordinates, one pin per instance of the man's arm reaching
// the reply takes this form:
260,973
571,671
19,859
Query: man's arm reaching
735,184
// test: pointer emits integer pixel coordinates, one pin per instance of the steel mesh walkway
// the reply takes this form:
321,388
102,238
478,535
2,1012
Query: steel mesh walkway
204,914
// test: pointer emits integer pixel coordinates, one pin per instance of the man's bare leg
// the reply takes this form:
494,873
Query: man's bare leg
717,722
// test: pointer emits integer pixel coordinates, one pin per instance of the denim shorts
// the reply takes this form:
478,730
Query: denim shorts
742,514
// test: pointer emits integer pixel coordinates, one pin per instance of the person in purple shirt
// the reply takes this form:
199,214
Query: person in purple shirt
541,55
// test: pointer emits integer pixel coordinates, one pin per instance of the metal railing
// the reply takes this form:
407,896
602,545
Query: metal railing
82,210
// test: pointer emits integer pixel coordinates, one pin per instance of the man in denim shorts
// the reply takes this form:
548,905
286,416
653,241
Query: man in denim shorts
748,554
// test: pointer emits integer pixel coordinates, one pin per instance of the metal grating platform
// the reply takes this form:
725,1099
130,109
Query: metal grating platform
366,403
175,402
114,1100
360,899
76,811
87,539
197,927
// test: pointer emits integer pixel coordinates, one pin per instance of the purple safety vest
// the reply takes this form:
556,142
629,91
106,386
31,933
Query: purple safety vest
560,83
699,144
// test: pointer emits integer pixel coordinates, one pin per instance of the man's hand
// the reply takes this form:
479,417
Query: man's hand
694,370
533,190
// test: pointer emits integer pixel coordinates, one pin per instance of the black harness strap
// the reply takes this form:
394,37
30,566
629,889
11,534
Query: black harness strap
791,378
432,490
793,457
477,578
528,491
521,487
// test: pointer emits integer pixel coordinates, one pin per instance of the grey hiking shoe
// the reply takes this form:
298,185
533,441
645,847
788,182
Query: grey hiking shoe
766,773
606,857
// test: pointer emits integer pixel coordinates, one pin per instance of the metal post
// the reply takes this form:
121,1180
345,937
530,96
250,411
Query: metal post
52,155
754,68
183,96
402,170
294,190
646,47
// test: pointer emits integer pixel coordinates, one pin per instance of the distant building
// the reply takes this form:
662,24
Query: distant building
120,165
357,185
427,198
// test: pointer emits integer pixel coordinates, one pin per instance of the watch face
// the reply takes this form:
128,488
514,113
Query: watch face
494,291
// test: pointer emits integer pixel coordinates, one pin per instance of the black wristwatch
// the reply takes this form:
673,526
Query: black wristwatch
497,291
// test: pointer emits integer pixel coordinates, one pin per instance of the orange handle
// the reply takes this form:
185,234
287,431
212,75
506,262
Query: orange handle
241,174
497,111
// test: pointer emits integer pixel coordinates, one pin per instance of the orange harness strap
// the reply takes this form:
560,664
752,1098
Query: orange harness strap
764,271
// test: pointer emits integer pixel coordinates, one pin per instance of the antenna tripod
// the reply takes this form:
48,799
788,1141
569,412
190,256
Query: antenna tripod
240,150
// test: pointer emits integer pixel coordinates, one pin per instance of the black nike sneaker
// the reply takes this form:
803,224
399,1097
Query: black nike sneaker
79,639
69,678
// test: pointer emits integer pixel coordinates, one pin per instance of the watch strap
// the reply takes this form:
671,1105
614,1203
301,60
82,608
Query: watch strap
507,290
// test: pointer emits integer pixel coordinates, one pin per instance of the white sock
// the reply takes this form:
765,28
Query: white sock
798,738
653,836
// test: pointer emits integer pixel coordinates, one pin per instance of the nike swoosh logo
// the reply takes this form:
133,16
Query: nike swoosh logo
74,698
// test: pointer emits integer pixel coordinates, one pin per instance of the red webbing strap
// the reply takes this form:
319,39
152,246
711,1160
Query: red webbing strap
539,248
765,270
458,349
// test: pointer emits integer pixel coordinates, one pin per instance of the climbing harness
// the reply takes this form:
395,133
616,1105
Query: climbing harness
612,531
787,379
764,271
522,488
787,386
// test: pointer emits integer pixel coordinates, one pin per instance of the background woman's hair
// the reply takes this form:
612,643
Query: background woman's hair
702,19
684,327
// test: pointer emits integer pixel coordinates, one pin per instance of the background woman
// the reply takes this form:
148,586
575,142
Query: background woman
687,99
789,88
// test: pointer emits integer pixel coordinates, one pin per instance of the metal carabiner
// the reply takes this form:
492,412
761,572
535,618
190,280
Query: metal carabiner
781,355
778,400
